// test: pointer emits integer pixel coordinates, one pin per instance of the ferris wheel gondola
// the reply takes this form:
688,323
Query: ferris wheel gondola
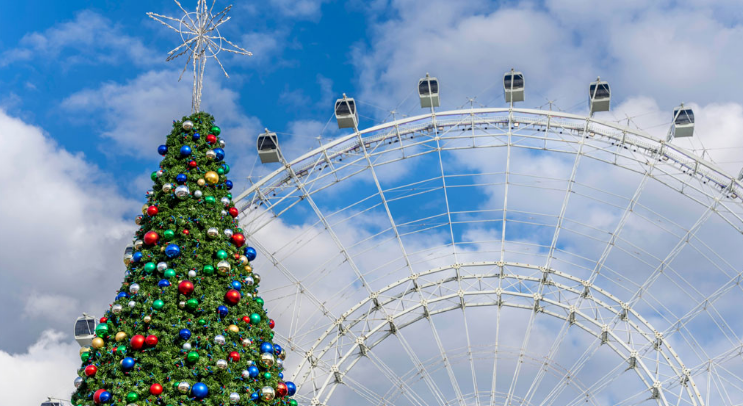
55,402
513,86
428,90
683,122
599,96
268,147
85,330
345,112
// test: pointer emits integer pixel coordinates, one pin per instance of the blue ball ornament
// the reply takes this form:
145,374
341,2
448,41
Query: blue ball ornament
185,150
105,397
199,390
237,285
276,349
255,396
222,310
228,184
253,371
266,347
184,334
291,388
196,136
172,250
162,150
281,375
164,283
181,178
122,295
219,154
127,363
251,253
136,257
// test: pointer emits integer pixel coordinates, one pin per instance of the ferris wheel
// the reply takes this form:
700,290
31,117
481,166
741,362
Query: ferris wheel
502,256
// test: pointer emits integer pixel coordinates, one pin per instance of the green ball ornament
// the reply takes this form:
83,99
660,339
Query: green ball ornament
169,234
101,330
153,176
255,318
271,335
216,130
208,270
192,304
220,171
85,356
267,375
192,357
222,254
121,349
293,402
158,304
132,397
149,267
226,168
210,199
202,322
260,301
169,273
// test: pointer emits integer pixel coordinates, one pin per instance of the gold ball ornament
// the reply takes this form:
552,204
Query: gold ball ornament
200,182
248,268
267,360
98,343
211,177
147,319
244,260
120,336
233,328
84,350
144,209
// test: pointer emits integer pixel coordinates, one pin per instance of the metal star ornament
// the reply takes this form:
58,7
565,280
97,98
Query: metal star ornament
199,32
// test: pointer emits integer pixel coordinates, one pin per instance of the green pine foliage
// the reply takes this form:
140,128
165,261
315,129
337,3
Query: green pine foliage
184,221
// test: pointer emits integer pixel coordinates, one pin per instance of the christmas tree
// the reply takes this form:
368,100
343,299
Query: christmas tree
187,325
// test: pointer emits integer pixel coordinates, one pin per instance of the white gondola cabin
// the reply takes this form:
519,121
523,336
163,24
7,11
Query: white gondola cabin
599,96
683,122
128,252
428,90
268,147
345,112
513,86
55,402
85,330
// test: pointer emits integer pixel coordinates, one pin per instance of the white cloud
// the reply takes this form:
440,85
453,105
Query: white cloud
90,39
301,9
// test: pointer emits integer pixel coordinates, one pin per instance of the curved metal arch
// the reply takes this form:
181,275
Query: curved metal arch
359,348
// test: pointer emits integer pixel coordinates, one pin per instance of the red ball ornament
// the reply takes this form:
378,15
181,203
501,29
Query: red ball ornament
192,164
152,210
238,239
185,287
103,319
233,211
156,389
97,395
90,370
235,356
151,340
137,342
211,138
246,319
151,237
281,389
232,297
185,232
271,324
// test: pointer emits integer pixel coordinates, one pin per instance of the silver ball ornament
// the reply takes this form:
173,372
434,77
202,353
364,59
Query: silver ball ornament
234,398
116,309
250,362
280,363
138,220
246,343
147,319
223,267
187,125
211,154
79,381
222,144
225,201
221,364
257,278
186,346
219,339
245,374
212,232
150,194
192,274
223,213
249,281
160,173
183,387
134,288
162,266
138,243
182,192
267,393
197,194
267,359
132,304
167,187
182,304
227,231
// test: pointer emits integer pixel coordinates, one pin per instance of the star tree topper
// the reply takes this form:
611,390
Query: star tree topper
201,40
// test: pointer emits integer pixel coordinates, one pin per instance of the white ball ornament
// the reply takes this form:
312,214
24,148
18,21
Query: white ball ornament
162,266
186,346
225,201
197,194
134,288
222,364
132,304
245,374
183,387
219,339
234,398
192,274
182,192
187,125
167,187
116,309
212,232
227,231
211,154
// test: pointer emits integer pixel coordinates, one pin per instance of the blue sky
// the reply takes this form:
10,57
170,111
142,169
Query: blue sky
86,96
